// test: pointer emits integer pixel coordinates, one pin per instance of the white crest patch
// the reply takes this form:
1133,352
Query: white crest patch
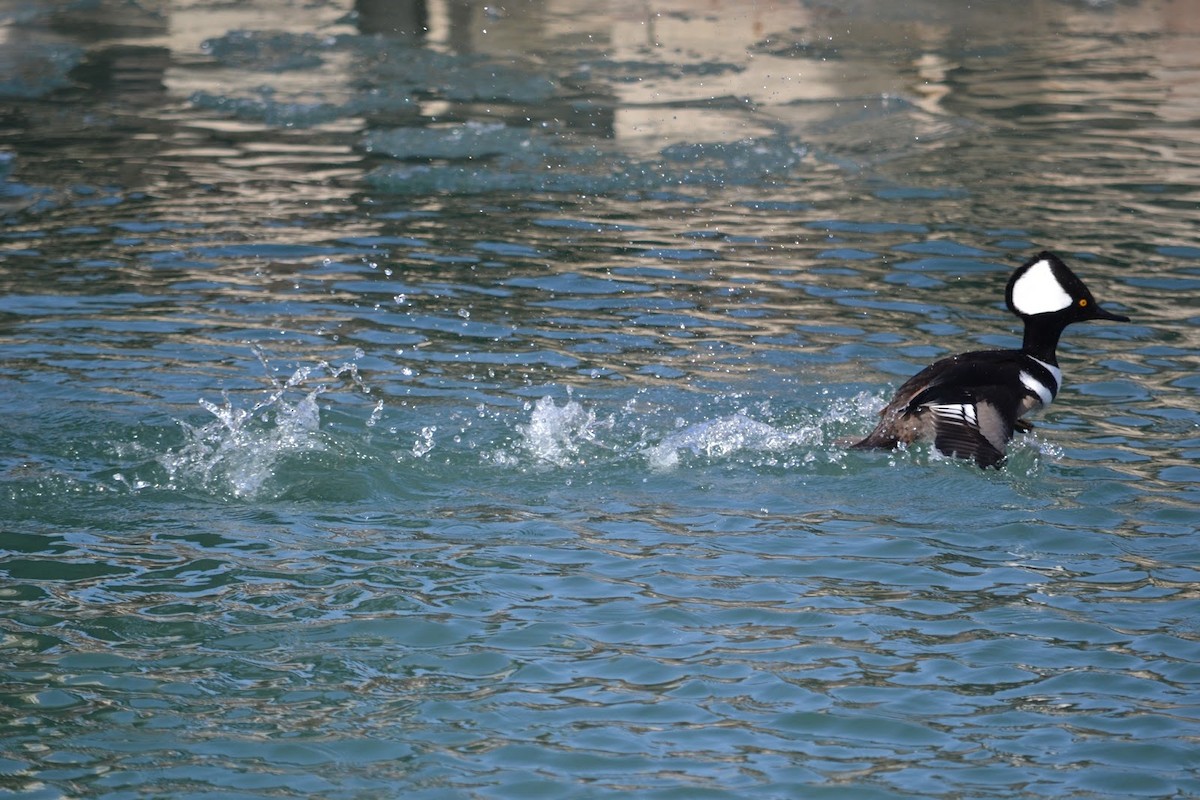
1037,387
1039,292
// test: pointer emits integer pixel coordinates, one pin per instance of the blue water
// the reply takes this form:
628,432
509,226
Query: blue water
450,400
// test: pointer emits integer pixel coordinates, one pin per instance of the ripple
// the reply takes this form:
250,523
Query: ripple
462,412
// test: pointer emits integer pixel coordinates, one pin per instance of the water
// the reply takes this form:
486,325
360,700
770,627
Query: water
462,413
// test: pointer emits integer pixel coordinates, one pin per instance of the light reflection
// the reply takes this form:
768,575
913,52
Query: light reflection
919,115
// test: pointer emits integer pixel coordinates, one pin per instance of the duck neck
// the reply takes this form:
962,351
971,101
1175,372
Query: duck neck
1041,338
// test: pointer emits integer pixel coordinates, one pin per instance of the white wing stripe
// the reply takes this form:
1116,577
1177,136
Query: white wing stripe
957,412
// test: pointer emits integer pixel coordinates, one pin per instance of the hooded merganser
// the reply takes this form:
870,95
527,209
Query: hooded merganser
968,405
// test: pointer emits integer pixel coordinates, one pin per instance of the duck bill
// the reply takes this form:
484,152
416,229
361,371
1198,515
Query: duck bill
1100,313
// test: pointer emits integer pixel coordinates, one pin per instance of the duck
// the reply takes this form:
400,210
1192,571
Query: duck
969,405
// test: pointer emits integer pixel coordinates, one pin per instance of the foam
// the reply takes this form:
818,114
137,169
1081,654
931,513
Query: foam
722,437
237,451
557,434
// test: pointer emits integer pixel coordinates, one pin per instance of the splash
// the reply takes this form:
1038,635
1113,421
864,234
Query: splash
238,450
853,411
557,434
725,436
818,436
573,434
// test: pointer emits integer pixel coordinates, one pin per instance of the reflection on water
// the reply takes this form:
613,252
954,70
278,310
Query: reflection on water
447,398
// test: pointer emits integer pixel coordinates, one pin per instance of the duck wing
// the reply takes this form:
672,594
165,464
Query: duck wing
963,425
967,405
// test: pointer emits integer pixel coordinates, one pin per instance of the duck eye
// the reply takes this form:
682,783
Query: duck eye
1082,302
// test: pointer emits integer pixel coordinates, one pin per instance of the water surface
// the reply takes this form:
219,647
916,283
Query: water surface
449,400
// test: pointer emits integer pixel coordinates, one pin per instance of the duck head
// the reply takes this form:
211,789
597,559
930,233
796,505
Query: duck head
1045,285
1048,297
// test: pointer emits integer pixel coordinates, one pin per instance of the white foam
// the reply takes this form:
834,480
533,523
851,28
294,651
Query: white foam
725,436
555,433
237,451
1037,291
572,434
